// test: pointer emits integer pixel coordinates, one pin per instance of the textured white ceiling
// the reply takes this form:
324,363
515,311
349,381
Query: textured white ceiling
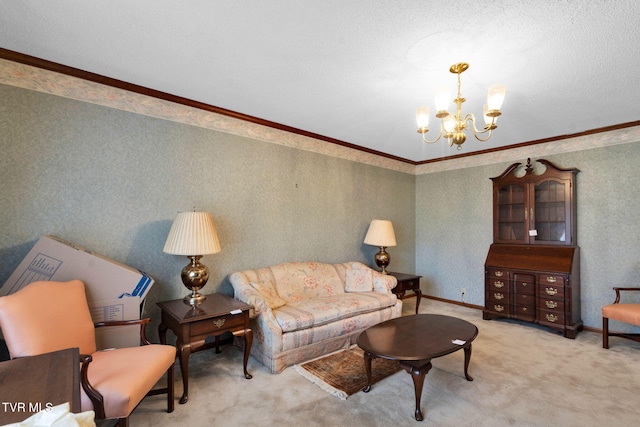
356,70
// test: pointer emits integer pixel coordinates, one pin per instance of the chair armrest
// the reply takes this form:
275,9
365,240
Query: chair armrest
141,322
94,395
620,289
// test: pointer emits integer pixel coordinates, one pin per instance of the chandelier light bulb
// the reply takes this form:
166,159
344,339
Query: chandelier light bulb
450,123
495,97
442,99
422,119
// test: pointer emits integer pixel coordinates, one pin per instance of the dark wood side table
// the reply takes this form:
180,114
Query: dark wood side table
34,383
216,315
407,282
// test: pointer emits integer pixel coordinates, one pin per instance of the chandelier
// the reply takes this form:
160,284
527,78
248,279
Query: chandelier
453,125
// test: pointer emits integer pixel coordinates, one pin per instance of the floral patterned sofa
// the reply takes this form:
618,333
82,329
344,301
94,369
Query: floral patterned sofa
303,310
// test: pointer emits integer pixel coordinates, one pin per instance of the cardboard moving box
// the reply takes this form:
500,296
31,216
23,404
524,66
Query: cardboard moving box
114,291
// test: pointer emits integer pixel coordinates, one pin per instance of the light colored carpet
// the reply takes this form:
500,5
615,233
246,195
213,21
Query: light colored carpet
524,375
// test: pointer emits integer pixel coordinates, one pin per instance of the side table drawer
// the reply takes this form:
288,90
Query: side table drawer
406,285
218,325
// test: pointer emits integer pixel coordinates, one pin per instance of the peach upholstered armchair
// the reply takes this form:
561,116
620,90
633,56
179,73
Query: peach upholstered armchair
627,313
48,316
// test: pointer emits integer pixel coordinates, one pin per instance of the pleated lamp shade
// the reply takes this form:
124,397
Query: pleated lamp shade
380,233
192,233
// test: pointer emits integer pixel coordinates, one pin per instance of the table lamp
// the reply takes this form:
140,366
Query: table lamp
381,234
193,234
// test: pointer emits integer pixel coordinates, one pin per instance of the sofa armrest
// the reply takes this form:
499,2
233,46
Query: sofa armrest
384,282
243,291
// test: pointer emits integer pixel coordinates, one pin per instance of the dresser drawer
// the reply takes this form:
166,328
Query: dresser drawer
528,314
500,308
551,291
551,279
525,287
498,297
551,305
498,273
229,322
553,317
500,285
525,300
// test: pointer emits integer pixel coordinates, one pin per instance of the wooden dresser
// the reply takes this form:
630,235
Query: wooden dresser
538,284
532,270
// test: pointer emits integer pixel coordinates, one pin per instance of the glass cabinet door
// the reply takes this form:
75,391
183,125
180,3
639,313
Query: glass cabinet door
511,214
535,208
551,212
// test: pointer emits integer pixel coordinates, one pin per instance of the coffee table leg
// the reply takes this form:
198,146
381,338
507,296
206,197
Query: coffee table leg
367,367
467,359
417,375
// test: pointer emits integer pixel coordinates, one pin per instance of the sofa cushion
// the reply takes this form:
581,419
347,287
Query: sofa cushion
269,293
358,280
319,311
297,281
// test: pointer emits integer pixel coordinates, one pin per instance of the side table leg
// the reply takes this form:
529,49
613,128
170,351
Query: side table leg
162,333
418,293
467,359
367,367
183,357
248,340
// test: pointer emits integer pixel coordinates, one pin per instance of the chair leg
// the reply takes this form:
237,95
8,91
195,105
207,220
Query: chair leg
605,332
170,397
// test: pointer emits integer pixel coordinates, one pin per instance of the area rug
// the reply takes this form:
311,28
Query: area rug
342,374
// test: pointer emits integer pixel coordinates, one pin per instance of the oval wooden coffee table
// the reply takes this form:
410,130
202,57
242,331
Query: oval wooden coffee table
415,340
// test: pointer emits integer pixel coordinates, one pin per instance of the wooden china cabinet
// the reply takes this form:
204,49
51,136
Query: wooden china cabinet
532,270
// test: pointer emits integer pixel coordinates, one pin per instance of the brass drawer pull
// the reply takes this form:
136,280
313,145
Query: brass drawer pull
499,273
498,308
524,284
551,279
218,323
551,291
551,304
551,317
498,284
524,308
498,296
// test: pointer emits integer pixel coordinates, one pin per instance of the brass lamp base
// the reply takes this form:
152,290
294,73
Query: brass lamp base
194,277
382,259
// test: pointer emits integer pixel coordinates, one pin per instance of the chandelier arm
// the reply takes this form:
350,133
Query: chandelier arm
437,138
472,119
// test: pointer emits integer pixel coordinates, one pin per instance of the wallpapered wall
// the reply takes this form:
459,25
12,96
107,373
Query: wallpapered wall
112,181
454,226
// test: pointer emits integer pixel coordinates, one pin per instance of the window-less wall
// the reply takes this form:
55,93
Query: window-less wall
112,181
454,226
